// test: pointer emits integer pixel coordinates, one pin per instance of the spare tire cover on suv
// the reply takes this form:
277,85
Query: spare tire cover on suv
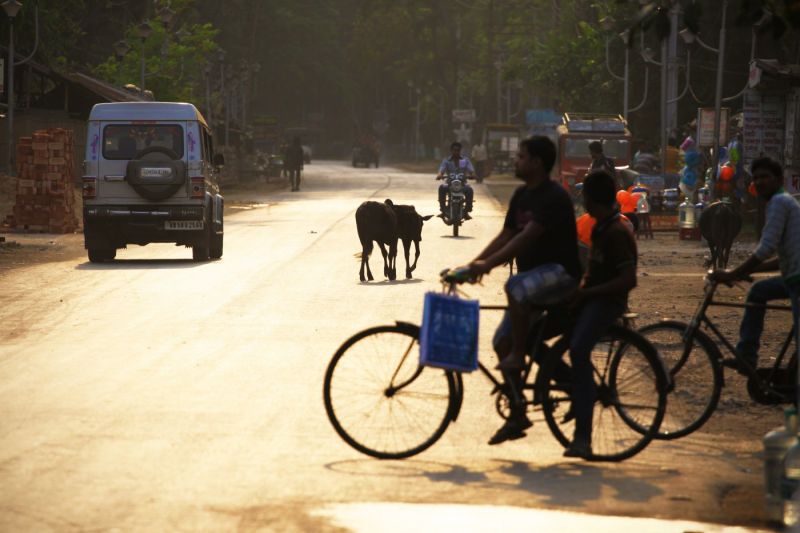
156,173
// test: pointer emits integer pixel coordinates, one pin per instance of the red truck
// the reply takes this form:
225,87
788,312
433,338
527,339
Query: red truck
575,133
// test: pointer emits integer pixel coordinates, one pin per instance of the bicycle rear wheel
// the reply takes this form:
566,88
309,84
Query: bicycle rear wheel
631,392
380,400
696,377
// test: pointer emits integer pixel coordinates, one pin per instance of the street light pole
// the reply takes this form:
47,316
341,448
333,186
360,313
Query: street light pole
11,7
718,93
144,32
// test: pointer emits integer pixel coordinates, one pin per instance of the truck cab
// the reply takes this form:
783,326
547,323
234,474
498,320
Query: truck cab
575,133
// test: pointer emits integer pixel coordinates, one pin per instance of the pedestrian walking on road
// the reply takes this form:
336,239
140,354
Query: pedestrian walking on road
294,163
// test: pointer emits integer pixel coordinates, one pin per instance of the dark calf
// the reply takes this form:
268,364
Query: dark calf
377,222
409,229
719,225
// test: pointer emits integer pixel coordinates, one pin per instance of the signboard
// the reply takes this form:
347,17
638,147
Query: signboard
464,115
705,126
542,116
463,133
764,126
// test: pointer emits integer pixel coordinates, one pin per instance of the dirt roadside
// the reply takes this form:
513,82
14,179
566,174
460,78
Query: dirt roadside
20,249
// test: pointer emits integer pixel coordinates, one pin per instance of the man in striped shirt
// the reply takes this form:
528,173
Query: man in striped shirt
781,236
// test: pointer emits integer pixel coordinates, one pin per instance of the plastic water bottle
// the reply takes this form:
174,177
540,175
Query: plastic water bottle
790,486
776,443
686,215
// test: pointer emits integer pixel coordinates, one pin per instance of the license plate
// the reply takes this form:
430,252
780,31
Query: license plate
183,224
149,172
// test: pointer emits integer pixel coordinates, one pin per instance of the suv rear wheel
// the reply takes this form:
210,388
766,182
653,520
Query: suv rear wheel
200,251
215,250
101,256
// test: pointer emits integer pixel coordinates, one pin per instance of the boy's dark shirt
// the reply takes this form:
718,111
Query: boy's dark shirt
613,248
549,205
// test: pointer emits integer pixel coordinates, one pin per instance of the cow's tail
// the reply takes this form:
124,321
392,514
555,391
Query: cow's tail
366,244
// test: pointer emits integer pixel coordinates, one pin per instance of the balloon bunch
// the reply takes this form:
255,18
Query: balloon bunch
730,167
691,168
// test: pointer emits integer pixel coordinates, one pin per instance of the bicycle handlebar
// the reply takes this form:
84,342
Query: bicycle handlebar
456,276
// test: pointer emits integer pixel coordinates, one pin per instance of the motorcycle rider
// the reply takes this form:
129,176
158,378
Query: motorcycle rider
454,164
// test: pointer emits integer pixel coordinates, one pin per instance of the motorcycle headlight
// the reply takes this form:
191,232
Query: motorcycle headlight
456,186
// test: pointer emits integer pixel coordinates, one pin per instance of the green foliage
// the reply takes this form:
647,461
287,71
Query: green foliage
173,70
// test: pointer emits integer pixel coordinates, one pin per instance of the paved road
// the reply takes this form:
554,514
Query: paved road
154,393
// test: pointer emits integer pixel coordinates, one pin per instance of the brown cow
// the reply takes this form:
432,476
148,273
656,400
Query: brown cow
377,222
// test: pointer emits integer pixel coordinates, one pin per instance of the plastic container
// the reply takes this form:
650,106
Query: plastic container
776,443
670,199
686,215
790,486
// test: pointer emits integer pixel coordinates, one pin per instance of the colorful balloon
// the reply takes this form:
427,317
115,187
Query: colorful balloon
726,173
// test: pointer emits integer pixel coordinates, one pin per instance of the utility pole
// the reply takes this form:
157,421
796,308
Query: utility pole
672,71
718,94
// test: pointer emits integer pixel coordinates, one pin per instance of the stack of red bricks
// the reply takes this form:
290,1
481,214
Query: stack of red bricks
45,197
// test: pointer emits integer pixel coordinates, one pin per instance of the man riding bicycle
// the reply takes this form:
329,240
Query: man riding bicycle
539,232
781,235
454,164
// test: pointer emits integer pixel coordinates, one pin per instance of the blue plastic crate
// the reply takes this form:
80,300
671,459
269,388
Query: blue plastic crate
449,335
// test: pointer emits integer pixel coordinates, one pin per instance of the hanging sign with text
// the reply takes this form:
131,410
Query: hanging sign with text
705,126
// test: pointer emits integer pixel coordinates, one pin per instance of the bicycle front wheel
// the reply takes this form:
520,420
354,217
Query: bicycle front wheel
696,376
630,390
380,400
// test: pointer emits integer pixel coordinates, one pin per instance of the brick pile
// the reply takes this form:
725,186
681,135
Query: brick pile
45,198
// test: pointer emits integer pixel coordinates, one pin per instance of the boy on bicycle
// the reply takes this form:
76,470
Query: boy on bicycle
781,235
539,232
600,300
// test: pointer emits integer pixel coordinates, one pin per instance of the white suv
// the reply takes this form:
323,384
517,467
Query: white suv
151,176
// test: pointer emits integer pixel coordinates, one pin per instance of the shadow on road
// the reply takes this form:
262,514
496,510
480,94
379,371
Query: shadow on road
389,282
142,264
567,484
459,238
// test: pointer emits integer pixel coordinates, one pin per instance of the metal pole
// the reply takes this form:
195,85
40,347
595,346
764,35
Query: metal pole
499,96
11,97
141,68
664,125
208,98
625,90
718,94
672,72
416,129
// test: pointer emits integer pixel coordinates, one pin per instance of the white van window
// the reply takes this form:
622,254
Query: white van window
124,141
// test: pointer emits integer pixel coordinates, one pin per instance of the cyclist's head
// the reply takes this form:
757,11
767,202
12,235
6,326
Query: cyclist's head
455,147
767,176
599,190
596,148
542,148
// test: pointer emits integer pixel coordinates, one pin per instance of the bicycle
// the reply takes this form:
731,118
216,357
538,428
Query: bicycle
383,403
697,380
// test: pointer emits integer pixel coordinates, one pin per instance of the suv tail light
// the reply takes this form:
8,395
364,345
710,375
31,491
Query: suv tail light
89,188
198,185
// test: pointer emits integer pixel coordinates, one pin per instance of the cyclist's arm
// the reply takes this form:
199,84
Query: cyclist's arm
770,265
622,284
532,231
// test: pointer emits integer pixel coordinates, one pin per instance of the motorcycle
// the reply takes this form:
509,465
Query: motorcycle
455,200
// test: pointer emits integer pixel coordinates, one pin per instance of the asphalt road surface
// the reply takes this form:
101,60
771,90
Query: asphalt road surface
155,393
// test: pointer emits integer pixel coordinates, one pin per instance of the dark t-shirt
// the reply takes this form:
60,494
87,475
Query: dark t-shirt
548,205
604,163
613,248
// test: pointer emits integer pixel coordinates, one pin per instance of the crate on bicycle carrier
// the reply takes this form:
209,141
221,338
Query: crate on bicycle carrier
449,334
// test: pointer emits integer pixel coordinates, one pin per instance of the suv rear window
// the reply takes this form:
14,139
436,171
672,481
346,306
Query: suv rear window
124,141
